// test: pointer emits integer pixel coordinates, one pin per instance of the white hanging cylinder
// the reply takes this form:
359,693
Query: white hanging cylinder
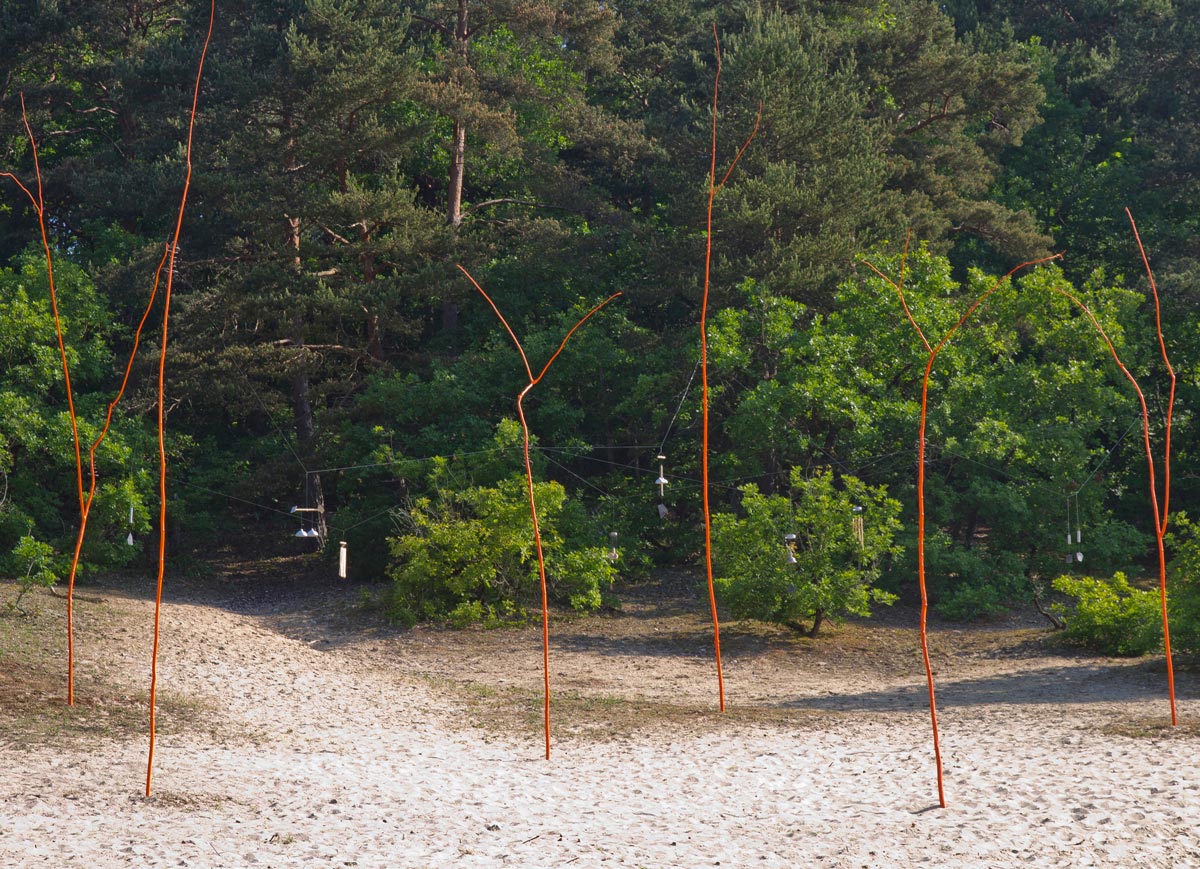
342,559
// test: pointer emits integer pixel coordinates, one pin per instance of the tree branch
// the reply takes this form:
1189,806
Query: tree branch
439,25
487,203
335,236
931,119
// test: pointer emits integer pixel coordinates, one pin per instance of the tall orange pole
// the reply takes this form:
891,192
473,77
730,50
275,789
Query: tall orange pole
162,369
713,186
91,494
537,533
1160,522
933,352
39,207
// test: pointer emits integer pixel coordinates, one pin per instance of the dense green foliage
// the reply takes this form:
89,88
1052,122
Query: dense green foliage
467,554
34,564
799,558
1110,615
350,153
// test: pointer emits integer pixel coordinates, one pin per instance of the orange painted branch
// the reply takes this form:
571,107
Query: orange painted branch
1159,519
537,532
541,557
899,287
933,353
712,592
1160,523
745,145
937,748
1162,345
91,494
713,186
39,206
162,369
507,328
62,349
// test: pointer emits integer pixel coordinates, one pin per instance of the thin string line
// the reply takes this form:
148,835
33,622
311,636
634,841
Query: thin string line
678,408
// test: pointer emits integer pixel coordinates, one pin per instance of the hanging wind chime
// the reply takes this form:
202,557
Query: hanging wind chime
857,528
307,527
661,482
1077,540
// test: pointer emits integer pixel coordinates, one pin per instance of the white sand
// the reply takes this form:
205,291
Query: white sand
335,758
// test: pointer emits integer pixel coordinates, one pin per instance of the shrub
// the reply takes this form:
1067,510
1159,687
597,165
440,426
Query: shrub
833,573
35,566
1183,596
468,555
1110,615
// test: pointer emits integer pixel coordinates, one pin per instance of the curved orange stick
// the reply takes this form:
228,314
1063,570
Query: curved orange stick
39,206
537,534
87,509
712,191
1160,523
933,353
162,367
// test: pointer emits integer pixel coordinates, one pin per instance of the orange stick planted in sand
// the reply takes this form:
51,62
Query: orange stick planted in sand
934,350
162,367
537,534
713,187
91,494
39,206
1160,527
1160,521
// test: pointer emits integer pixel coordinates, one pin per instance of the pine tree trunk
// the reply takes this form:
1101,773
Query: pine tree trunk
302,414
458,157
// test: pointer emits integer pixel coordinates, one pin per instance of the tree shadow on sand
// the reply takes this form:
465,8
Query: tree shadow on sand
1073,683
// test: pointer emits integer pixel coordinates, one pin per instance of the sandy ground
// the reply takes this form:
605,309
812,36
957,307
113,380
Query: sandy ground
293,733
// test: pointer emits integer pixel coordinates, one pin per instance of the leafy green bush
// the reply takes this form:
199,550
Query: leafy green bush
1110,615
467,555
1183,598
38,499
833,572
35,566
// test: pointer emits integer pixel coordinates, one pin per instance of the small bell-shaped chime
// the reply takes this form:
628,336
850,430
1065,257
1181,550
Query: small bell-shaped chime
305,531
661,482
